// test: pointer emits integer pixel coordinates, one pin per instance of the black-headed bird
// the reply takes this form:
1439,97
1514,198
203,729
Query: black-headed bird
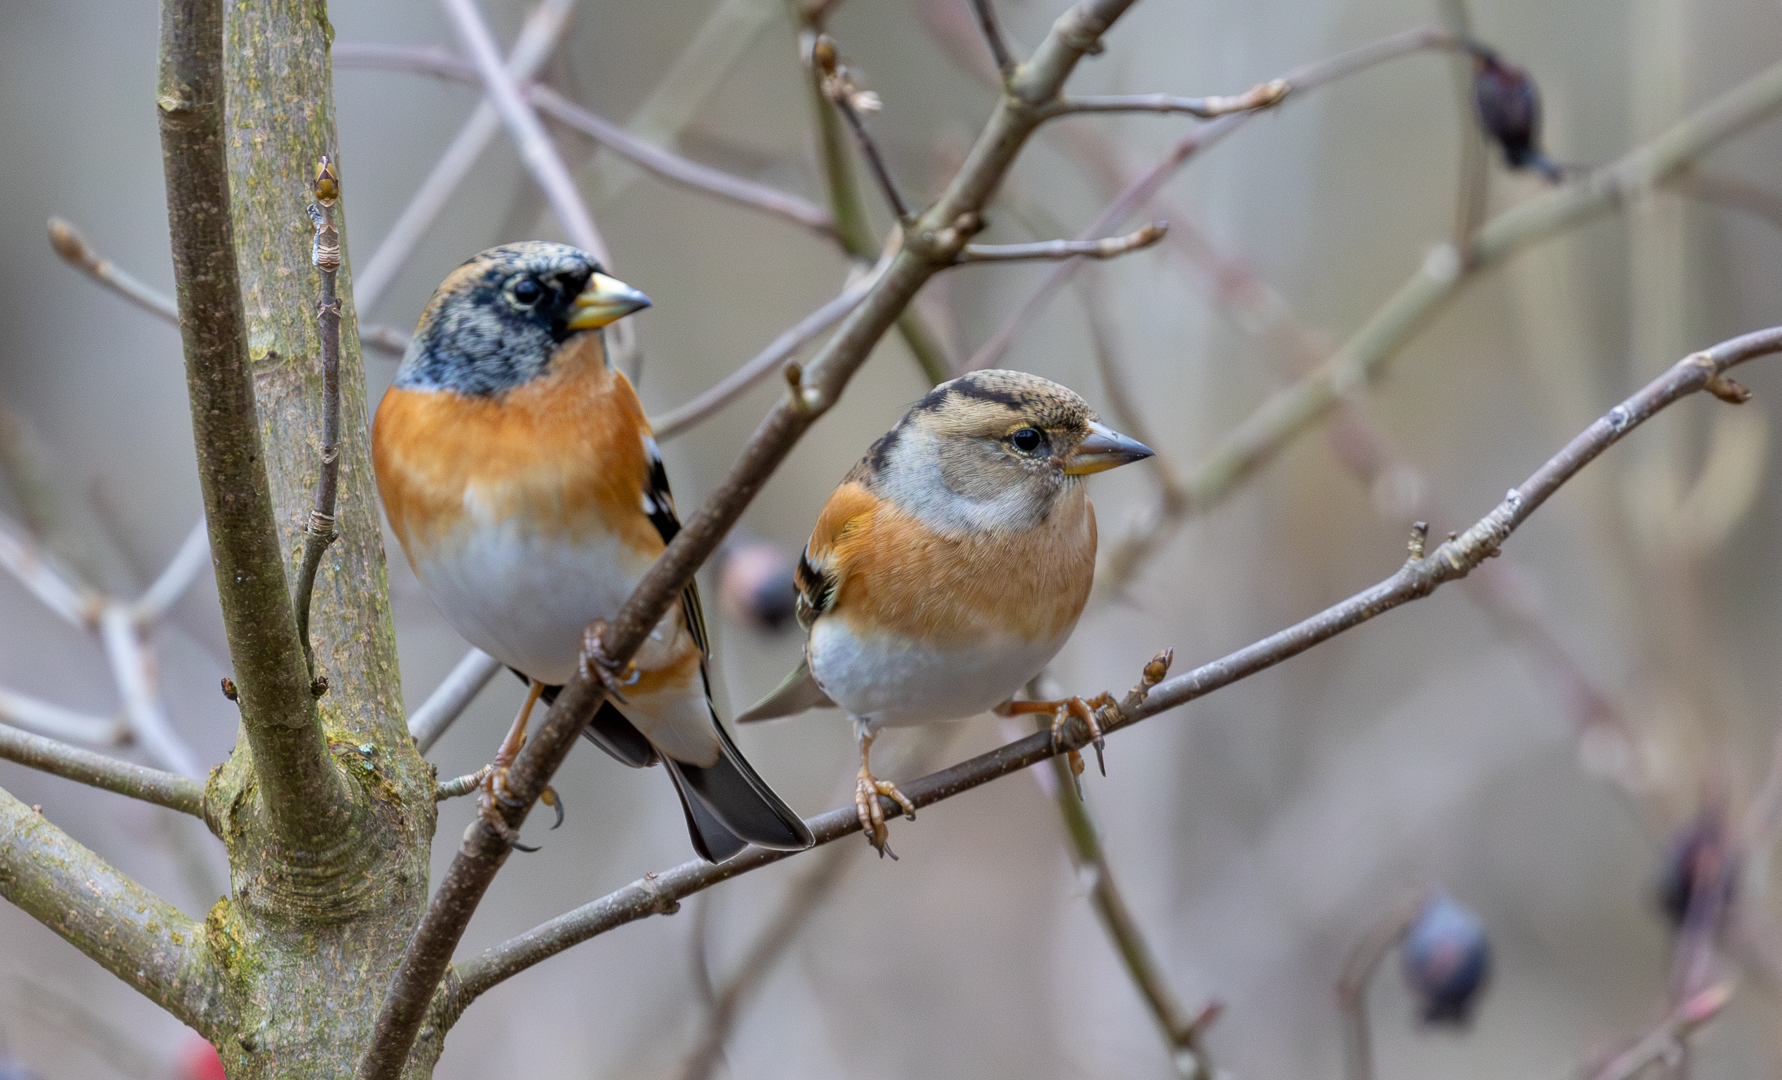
519,474
951,564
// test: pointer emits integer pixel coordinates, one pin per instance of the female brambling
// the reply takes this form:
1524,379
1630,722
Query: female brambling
520,476
951,564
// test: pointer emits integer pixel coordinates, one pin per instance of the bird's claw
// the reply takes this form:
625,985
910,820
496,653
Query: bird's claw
871,812
1084,710
595,664
553,800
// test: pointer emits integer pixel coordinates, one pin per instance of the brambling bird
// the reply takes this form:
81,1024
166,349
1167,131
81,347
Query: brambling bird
950,565
520,476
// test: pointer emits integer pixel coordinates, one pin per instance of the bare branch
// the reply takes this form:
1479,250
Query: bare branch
1293,409
132,933
1358,972
76,604
539,35
451,697
639,151
837,84
1066,249
301,791
97,770
1666,1039
1000,53
191,558
930,244
1141,189
73,248
461,786
320,532
1261,96
1735,194
1417,578
59,723
535,146
734,385
133,669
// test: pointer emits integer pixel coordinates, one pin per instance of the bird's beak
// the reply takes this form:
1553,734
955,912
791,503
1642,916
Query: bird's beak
605,300
1104,449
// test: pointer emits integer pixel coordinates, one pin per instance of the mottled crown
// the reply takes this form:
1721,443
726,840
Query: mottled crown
479,336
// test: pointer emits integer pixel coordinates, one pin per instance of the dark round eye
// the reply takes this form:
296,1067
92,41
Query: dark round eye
527,292
1027,440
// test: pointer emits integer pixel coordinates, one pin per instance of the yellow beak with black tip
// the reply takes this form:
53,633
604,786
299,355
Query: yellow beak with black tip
604,300
1104,449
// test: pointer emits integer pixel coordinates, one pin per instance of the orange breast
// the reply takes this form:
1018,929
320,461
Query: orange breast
559,456
898,574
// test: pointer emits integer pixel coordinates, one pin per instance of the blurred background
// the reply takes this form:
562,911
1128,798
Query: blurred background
1533,743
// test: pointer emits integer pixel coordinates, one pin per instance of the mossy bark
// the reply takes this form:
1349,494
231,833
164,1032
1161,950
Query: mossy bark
307,939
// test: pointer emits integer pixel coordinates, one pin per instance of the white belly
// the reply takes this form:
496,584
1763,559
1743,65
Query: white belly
524,599
888,680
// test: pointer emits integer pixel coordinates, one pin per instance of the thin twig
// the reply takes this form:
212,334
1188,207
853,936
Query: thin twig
768,360
639,151
461,786
1735,194
1292,410
74,249
133,668
539,36
1106,248
1358,973
59,723
1417,578
1142,188
837,83
98,770
320,531
451,697
534,143
1000,53
1261,96
75,603
192,557
930,244
1181,1029
1666,1040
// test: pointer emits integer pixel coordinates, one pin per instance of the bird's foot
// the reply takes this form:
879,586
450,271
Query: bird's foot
595,664
1062,710
493,794
871,812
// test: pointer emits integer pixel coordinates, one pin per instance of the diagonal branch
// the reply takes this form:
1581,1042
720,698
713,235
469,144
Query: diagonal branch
101,771
59,723
1142,188
1106,248
1280,418
451,697
930,244
1417,578
301,790
128,930
538,39
536,150
191,558
781,348
1000,53
636,149
76,252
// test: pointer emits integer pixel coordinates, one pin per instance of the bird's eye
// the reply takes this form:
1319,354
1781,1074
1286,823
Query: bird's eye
1027,440
527,292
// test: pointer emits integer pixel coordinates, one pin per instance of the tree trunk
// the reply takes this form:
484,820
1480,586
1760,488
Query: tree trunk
308,938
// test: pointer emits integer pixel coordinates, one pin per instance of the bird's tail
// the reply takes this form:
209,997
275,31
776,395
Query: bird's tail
728,806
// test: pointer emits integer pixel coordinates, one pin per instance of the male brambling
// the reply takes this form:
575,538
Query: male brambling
950,565
520,476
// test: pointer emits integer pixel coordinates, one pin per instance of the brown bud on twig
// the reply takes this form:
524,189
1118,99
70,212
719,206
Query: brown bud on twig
1727,390
327,182
229,690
